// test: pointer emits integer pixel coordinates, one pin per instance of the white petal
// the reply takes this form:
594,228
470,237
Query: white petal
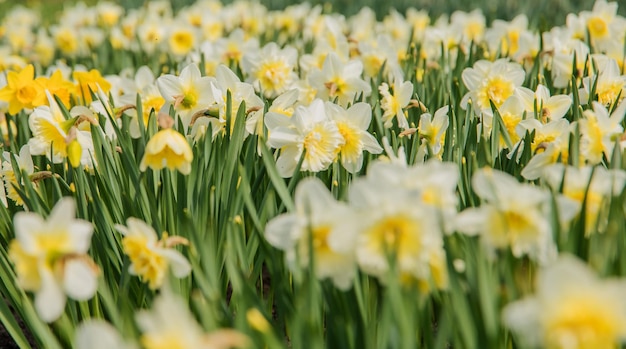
63,212
81,232
79,279
370,143
27,224
189,74
179,264
97,334
280,231
144,77
170,87
360,115
50,299
287,161
471,221
282,136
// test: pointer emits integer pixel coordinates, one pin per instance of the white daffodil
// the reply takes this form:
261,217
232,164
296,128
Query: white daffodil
271,69
512,215
282,108
512,38
393,104
551,142
227,82
562,62
50,258
599,131
547,107
571,308
308,131
432,183
392,222
313,227
52,135
602,24
169,324
352,124
339,80
609,82
188,93
491,82
150,257
151,99
375,52
432,129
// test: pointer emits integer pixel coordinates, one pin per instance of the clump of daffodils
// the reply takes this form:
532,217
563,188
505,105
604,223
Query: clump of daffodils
321,132
51,260
151,258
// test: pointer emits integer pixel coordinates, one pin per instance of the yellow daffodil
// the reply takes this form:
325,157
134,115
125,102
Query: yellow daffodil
21,91
167,148
58,86
88,82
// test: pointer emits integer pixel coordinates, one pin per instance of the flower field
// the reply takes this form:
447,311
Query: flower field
230,176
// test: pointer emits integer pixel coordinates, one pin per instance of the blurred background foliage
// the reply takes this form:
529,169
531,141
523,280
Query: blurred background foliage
542,14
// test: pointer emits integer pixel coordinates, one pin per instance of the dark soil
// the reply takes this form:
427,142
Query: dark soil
6,342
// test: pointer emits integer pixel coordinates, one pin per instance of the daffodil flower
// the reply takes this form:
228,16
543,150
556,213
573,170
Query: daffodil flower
589,188
571,308
271,69
188,93
352,124
309,130
50,258
150,257
169,324
513,215
491,82
339,80
390,221
313,227
21,91
167,148
599,131
393,104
